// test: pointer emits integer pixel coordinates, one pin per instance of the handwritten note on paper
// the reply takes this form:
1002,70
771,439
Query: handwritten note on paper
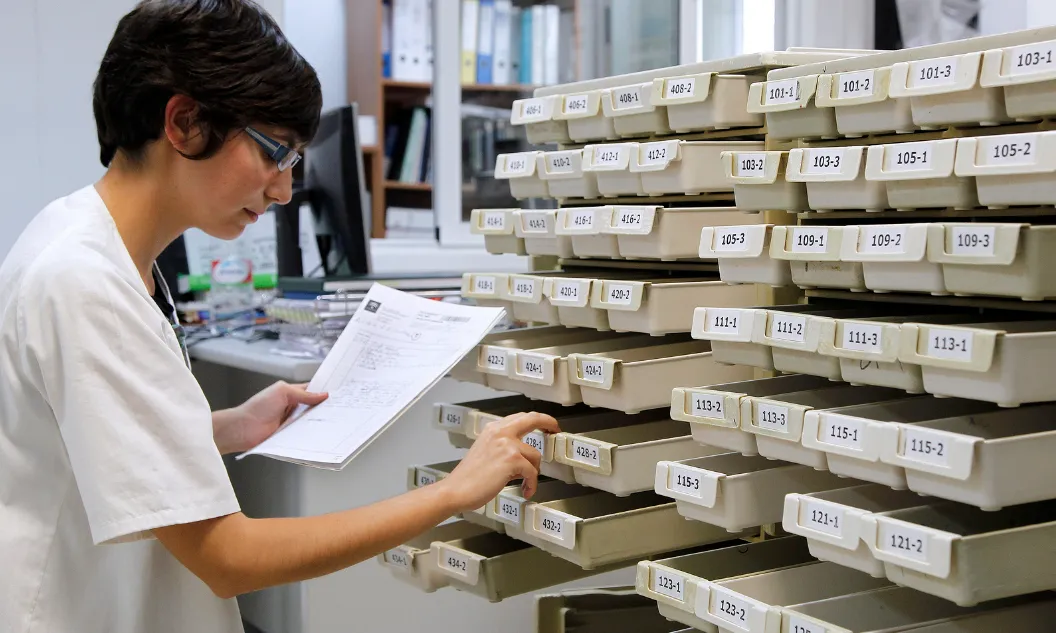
393,350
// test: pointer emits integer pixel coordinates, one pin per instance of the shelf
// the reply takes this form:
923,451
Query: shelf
425,86
993,303
408,186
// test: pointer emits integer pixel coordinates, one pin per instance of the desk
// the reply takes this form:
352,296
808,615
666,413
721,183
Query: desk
255,357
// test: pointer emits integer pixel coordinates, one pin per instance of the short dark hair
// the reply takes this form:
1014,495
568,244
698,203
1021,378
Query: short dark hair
228,55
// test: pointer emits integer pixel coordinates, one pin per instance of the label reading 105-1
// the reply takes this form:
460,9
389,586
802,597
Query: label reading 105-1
679,88
949,344
908,156
586,453
620,295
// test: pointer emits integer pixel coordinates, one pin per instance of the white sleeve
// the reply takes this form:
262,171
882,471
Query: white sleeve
137,428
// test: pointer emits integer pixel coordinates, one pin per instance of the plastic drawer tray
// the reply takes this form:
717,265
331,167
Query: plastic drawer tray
689,167
964,554
612,164
474,421
1020,618
852,437
623,461
540,238
945,90
754,603
600,529
633,111
537,117
835,178
497,227
1029,87
1007,260
920,175
527,300
743,252
1006,363
520,170
790,113
894,257
460,417
714,412
571,297
489,357
583,115
777,421
496,567
1010,169
486,289
991,460
585,226
649,232
795,338
759,182
706,101
862,102
832,523
663,306
429,474
638,379
814,256
674,582
508,505
595,610
736,492
563,172
412,563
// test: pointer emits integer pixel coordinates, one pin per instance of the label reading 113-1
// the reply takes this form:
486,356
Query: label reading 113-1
948,344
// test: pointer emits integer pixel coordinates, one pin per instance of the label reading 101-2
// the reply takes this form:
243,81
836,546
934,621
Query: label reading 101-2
859,84
425,479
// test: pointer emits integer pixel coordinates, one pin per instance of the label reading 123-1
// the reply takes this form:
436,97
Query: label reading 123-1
669,584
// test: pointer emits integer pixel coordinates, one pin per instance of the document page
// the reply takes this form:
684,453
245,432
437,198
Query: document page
394,349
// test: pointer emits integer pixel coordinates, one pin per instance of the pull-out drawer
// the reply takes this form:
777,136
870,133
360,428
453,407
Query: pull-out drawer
814,255
572,298
835,178
920,175
689,167
1020,618
743,253
486,289
537,117
706,101
537,229
789,109
1025,74
795,338
526,294
497,227
599,610
862,104
1010,169
426,475
564,175
611,163
736,492
474,423
508,506
520,170
946,91
1005,260
633,111
412,563
489,356
583,115
586,227
645,232
463,419
894,257
663,306
759,182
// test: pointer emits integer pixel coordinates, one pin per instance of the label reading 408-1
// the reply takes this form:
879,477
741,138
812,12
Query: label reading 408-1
626,98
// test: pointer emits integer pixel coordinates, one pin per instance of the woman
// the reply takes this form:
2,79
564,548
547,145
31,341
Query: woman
105,437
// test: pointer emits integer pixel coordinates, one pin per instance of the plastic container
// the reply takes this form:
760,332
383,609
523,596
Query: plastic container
1026,75
475,419
706,101
520,170
563,172
571,296
488,360
487,289
633,111
689,167
964,554
1005,363
537,117
651,232
527,301
586,226
1010,169
920,175
508,506
795,338
862,104
743,252
622,461
894,257
458,418
814,255
497,227
537,229
991,460
759,182
835,178
1020,618
736,492
946,91
582,113
412,563
429,474
789,111
611,163
714,412
660,307
598,610
1005,260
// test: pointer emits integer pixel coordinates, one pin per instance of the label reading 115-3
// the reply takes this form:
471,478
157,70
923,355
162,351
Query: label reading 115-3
685,481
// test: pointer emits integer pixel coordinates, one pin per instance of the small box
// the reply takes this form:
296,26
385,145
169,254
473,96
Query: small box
520,170
564,175
1010,169
611,163
537,229
835,179
663,306
633,111
667,234
411,562
537,117
789,111
525,294
946,91
1026,73
743,252
814,253
706,101
894,257
759,182
584,118
920,175
689,167
862,102
1004,260
587,227
497,227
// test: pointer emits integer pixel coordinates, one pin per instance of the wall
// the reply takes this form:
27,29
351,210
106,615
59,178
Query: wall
317,29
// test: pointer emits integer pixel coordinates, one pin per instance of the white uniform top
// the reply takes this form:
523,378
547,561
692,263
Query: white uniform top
104,436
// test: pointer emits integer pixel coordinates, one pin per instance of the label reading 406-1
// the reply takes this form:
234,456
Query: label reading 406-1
532,108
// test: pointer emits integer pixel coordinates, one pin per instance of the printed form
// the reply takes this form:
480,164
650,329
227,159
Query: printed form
394,349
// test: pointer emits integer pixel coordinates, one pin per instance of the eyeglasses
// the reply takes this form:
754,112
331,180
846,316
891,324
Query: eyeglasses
284,156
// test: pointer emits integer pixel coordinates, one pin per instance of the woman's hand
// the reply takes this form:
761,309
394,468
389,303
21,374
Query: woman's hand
498,457
243,427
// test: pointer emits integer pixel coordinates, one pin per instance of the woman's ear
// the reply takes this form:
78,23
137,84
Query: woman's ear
183,129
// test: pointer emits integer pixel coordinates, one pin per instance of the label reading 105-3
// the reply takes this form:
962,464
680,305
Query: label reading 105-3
730,239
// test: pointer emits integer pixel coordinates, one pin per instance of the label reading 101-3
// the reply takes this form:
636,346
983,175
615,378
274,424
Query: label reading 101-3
933,72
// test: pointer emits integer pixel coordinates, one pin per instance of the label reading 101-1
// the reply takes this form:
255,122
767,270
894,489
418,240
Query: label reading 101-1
781,92
949,344
679,88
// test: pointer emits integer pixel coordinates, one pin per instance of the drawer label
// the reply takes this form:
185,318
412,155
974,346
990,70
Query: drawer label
534,222
730,239
619,295
629,217
576,104
518,164
927,73
608,155
781,92
1031,58
624,98
821,517
536,440
484,285
749,165
552,524
908,156
841,431
679,88
495,220
530,366
533,108
656,153
522,287
453,561
581,219
559,164
723,321
799,625
902,540
684,480
882,239
789,327
949,344
495,359
822,161
423,479
1016,149
398,558
669,584
925,446
863,337
708,406
973,240
566,290
509,510
729,608
858,84
450,418
592,370
586,453
809,240
771,416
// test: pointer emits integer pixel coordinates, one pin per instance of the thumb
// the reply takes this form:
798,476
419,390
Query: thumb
299,394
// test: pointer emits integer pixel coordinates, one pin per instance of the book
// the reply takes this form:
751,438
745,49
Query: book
470,15
500,61
485,41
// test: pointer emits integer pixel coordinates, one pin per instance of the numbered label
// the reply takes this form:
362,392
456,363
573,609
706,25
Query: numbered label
656,153
423,479
789,327
729,608
771,416
933,72
450,418
949,344
534,223
822,161
685,481
809,240
623,98
509,510
749,165
908,156
530,366
680,88
592,370
495,359
607,156
619,295
522,287
536,440
559,164
723,321
781,92
398,558
484,285
586,453
552,524
973,240
882,239
455,562
518,164
668,584
708,406
532,108
925,446
1018,149
843,432
565,291
1031,58
730,239
859,84
582,219
902,540
576,104
799,625
863,337
495,220
629,217
821,517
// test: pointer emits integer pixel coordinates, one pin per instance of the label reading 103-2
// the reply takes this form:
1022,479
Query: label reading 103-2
749,165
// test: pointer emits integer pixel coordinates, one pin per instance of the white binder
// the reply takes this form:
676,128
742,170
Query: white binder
552,44
501,62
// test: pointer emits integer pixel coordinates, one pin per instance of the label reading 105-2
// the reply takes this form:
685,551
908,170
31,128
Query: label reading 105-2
1015,149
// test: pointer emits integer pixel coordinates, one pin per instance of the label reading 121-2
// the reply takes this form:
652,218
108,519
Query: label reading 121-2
903,541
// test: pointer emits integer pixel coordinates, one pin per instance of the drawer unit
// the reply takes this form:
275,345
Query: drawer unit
1025,73
489,357
497,227
623,461
1010,169
862,102
537,117
795,339
831,521
790,113
476,419
648,232
777,421
1005,260
835,178
563,172
894,257
920,175
736,492
852,437
612,164
714,412
586,227
458,418
412,563
508,506
659,306
814,256
527,301
690,167
633,111
520,170
964,554
759,183
638,379
571,297
584,118
1005,363
1019,618
946,91
486,289
538,230
706,101
990,460
743,252
603,609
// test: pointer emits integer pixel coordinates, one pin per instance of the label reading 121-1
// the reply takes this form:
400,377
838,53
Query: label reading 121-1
821,517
